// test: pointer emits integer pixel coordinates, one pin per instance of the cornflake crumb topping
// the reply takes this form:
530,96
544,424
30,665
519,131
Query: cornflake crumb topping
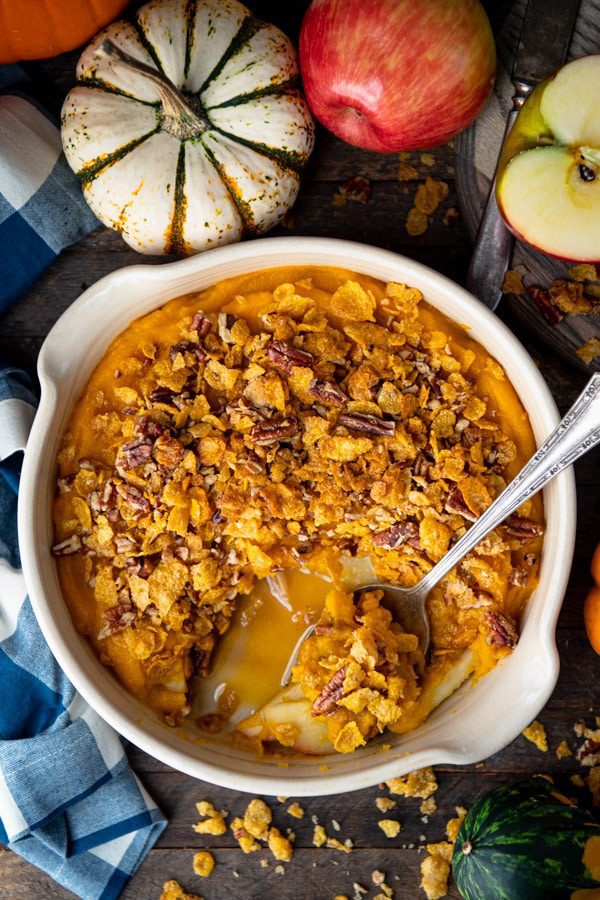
236,452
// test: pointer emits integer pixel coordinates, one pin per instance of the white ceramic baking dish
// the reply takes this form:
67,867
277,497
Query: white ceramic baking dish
472,724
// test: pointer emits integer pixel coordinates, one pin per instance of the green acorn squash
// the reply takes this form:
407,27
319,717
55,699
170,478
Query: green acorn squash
527,841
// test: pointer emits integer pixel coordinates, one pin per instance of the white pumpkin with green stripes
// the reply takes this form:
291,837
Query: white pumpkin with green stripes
186,127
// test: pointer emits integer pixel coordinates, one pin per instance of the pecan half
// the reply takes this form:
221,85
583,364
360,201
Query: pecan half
327,392
502,630
401,533
541,299
589,753
455,504
70,545
202,324
134,498
116,619
284,357
369,425
272,431
524,529
135,453
327,701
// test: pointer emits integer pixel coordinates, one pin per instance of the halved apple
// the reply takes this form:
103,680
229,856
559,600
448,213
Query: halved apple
548,185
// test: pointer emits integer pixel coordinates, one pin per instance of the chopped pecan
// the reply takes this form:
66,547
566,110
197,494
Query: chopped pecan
369,425
541,299
135,453
143,566
108,497
70,545
422,466
525,530
161,395
202,324
327,701
284,356
356,188
518,577
274,430
187,347
456,504
502,630
116,619
224,323
327,392
168,451
589,753
147,427
134,497
124,543
401,533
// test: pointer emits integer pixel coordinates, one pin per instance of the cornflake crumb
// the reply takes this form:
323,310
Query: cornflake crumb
203,863
319,836
512,283
390,827
563,750
384,804
282,799
334,844
536,733
214,821
453,825
428,806
245,840
280,870
279,845
577,780
172,890
435,871
588,352
264,863
295,810
336,825
583,272
257,819
420,783
377,877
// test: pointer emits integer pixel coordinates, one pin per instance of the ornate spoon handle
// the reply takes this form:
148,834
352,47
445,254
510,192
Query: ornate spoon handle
577,433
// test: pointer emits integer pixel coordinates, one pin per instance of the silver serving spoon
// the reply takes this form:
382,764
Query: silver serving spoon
577,433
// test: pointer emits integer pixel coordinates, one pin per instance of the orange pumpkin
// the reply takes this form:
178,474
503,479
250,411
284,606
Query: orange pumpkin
37,29
591,606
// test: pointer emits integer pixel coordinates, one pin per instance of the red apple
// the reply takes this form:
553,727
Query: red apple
391,75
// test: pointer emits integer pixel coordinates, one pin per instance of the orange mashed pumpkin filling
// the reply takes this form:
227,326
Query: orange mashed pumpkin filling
244,458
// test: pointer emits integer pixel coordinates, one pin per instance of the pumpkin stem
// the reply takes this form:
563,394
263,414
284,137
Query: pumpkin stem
467,847
178,116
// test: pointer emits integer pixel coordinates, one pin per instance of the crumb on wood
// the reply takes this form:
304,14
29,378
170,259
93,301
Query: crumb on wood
536,733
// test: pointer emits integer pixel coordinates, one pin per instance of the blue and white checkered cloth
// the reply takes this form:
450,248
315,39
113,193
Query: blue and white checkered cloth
69,802
42,209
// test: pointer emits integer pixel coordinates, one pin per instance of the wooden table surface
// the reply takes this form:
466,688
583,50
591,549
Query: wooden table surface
322,873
